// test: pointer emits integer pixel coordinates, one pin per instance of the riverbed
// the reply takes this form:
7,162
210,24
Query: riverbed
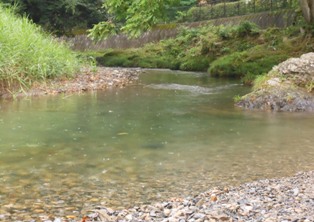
169,135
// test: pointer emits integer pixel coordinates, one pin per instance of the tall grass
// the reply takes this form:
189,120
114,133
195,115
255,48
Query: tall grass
28,54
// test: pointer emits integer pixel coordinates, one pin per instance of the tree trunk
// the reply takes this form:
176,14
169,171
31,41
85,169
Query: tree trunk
307,7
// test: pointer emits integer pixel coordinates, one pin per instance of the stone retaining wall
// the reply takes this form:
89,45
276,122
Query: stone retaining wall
264,20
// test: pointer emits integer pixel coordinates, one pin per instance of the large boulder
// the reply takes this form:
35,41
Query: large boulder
299,70
288,86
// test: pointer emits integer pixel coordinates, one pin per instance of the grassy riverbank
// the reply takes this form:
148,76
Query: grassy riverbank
28,54
242,51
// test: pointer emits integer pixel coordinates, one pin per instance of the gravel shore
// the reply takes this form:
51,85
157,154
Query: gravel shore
284,199
87,80
281,199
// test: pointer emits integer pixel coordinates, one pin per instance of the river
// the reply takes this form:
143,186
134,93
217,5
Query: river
173,134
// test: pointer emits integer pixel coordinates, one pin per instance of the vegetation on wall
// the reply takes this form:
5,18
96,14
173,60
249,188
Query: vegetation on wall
226,8
242,51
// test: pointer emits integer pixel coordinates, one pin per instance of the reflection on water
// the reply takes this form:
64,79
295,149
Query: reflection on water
174,134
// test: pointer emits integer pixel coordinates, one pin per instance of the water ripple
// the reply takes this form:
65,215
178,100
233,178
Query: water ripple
190,88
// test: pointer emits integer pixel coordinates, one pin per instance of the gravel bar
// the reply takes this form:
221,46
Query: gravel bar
88,79
284,199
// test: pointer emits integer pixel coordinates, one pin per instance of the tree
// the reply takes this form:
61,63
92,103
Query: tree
307,7
61,16
133,17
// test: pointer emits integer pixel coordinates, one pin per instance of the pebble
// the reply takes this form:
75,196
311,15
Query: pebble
257,201
71,216
213,197
87,80
167,212
38,211
273,200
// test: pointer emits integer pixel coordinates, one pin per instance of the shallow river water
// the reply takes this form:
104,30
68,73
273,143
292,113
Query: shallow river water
173,134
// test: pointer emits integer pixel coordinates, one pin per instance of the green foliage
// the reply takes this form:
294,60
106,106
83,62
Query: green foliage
101,30
310,86
134,17
241,51
247,29
62,16
248,79
225,32
260,81
187,2
28,54
237,98
135,58
215,11
198,63
244,29
226,66
256,61
227,9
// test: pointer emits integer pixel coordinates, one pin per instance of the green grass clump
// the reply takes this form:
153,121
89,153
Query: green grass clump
192,50
28,54
198,63
243,51
255,61
135,58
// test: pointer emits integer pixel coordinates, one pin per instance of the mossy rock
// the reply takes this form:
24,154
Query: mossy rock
282,99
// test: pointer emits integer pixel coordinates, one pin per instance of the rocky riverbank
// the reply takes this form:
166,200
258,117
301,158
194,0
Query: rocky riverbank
88,79
287,87
284,199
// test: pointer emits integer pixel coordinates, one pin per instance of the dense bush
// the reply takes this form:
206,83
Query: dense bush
254,62
28,54
247,29
135,58
62,16
241,51
198,63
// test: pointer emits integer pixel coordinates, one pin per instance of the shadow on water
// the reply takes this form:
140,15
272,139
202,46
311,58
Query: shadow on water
155,145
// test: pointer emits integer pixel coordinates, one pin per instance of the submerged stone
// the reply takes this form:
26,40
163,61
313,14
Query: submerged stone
153,145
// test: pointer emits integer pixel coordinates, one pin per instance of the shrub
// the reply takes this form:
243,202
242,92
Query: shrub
249,78
246,29
260,81
226,66
253,62
195,64
28,54
225,32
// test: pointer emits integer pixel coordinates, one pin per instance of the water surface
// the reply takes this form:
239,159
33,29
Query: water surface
173,134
